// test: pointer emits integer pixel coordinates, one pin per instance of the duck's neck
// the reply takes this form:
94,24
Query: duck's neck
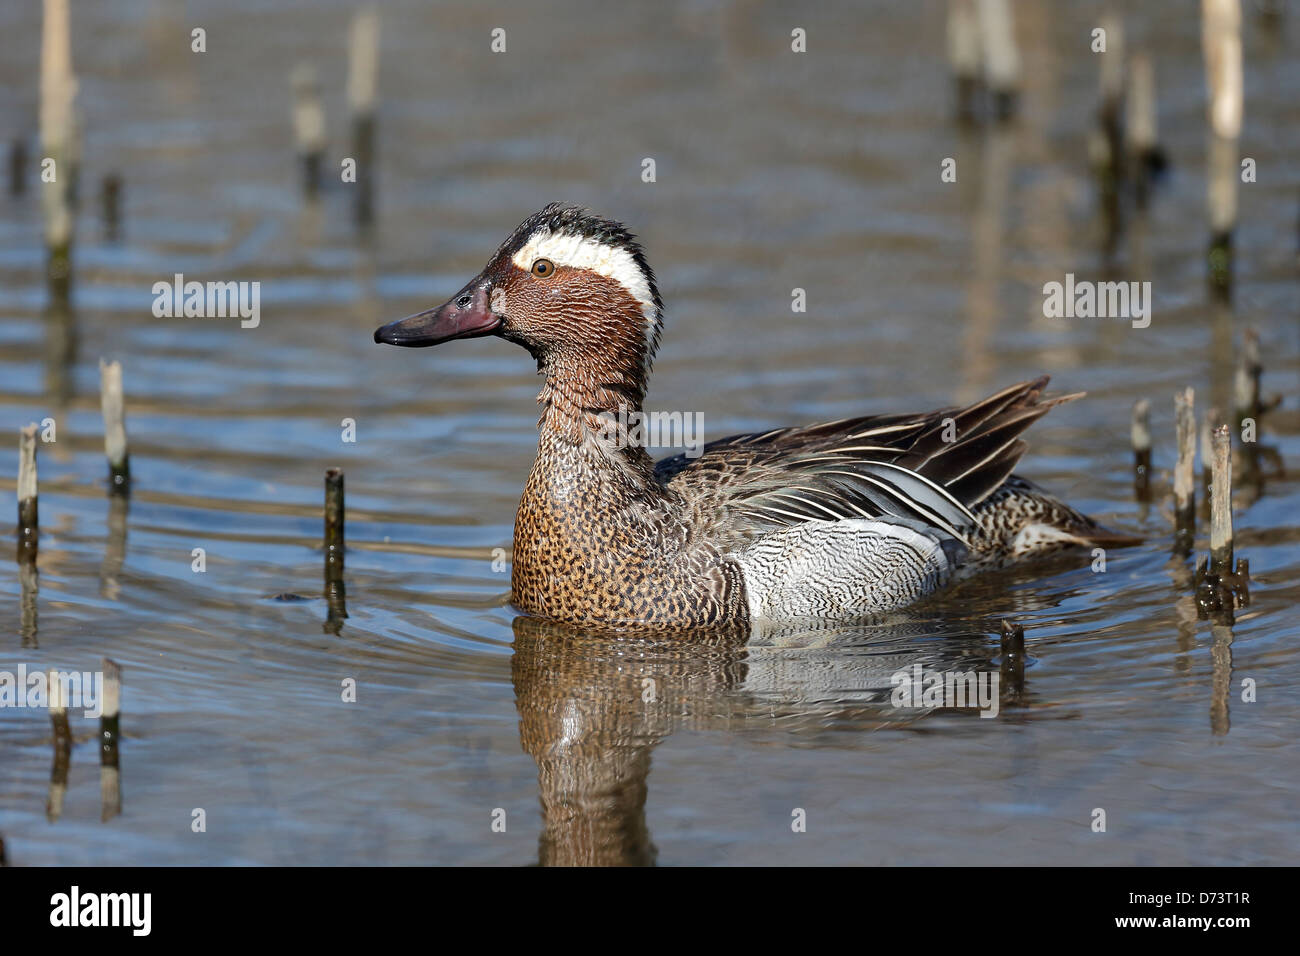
590,408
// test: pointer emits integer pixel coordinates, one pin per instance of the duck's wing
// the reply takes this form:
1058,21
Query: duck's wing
926,470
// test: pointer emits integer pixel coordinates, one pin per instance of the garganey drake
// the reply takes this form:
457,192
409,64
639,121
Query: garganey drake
838,521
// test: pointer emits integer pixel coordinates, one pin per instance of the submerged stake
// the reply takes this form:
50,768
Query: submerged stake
110,778
110,399
334,520
1141,435
1221,587
335,593
29,521
1184,472
62,746
1012,671
1221,502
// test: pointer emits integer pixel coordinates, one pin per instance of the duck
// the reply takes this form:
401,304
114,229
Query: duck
837,521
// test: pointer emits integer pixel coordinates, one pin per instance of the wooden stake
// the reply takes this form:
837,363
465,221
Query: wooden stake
110,775
1184,473
1108,144
1221,503
335,593
58,142
334,518
1141,436
308,125
1001,58
62,746
1221,588
964,56
29,581
1221,44
363,70
1220,678
29,521
111,404
1148,159
1112,70
1012,670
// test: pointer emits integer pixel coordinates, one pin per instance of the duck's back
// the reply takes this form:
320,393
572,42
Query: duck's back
865,515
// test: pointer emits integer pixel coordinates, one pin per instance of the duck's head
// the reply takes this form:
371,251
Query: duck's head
567,285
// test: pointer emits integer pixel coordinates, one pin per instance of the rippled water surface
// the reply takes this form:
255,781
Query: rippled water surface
775,170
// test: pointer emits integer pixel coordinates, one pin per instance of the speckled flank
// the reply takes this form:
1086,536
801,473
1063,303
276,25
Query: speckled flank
837,520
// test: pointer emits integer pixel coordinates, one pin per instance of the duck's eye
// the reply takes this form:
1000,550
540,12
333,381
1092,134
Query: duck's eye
543,268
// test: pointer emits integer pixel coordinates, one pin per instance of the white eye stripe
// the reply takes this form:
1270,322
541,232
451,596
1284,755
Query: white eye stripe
579,252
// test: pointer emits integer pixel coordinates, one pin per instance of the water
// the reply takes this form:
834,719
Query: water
774,171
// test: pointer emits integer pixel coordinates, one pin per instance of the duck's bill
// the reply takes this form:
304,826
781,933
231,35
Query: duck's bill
447,322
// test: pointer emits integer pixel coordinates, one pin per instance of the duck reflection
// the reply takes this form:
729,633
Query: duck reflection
594,704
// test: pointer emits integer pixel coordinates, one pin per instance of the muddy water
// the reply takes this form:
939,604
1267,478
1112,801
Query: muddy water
774,171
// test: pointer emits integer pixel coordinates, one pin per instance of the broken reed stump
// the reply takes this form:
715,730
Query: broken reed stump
1184,473
29,521
1221,585
308,125
335,592
111,404
1141,437
363,69
1221,46
110,774
1012,669
62,746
